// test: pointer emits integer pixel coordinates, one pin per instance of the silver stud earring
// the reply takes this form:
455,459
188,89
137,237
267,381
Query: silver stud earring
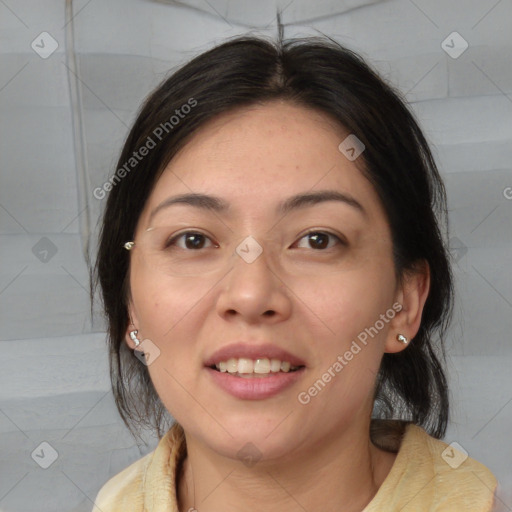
402,339
133,336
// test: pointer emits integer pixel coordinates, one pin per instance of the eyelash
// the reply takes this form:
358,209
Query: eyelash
172,241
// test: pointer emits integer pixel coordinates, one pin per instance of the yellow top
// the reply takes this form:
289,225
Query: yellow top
427,476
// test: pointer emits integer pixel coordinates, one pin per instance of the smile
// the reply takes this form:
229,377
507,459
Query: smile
260,367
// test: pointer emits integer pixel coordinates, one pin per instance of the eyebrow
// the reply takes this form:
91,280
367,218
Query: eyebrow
219,205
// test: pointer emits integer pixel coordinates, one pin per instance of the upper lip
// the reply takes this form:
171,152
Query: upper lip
238,350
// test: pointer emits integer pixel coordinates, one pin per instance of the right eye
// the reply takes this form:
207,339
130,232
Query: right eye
189,240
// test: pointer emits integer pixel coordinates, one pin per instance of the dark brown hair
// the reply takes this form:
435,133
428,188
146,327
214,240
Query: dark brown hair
318,74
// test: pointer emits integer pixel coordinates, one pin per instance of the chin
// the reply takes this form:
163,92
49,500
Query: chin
256,436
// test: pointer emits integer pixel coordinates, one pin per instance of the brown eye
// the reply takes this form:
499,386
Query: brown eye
189,240
319,240
194,241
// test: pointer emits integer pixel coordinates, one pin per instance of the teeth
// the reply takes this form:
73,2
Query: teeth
245,365
261,366
275,365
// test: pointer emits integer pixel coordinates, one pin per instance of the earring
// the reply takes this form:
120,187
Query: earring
402,339
129,245
133,336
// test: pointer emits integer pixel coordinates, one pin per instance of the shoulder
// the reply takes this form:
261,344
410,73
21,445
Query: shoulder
149,480
124,491
456,474
430,475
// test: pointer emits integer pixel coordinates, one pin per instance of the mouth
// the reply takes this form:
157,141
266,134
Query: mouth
254,372
262,367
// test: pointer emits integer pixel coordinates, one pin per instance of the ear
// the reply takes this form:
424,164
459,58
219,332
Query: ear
411,294
132,326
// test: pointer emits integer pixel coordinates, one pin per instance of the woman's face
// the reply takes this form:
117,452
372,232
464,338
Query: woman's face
321,302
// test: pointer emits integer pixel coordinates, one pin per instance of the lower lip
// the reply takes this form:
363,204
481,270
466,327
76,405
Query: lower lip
255,388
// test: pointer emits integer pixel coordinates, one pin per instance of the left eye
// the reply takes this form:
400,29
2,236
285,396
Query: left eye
319,240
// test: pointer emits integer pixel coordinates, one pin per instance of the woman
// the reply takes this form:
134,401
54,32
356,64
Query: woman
275,279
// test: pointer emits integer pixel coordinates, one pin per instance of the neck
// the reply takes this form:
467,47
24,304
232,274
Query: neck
343,469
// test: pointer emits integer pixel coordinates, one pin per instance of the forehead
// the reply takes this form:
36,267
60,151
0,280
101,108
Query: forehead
256,156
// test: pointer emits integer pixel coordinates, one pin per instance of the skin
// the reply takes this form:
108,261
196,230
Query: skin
313,454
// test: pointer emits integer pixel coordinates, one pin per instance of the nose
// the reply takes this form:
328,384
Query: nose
254,293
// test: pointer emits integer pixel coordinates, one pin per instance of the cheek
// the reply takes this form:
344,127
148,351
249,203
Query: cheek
163,303
342,312
346,304
168,310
